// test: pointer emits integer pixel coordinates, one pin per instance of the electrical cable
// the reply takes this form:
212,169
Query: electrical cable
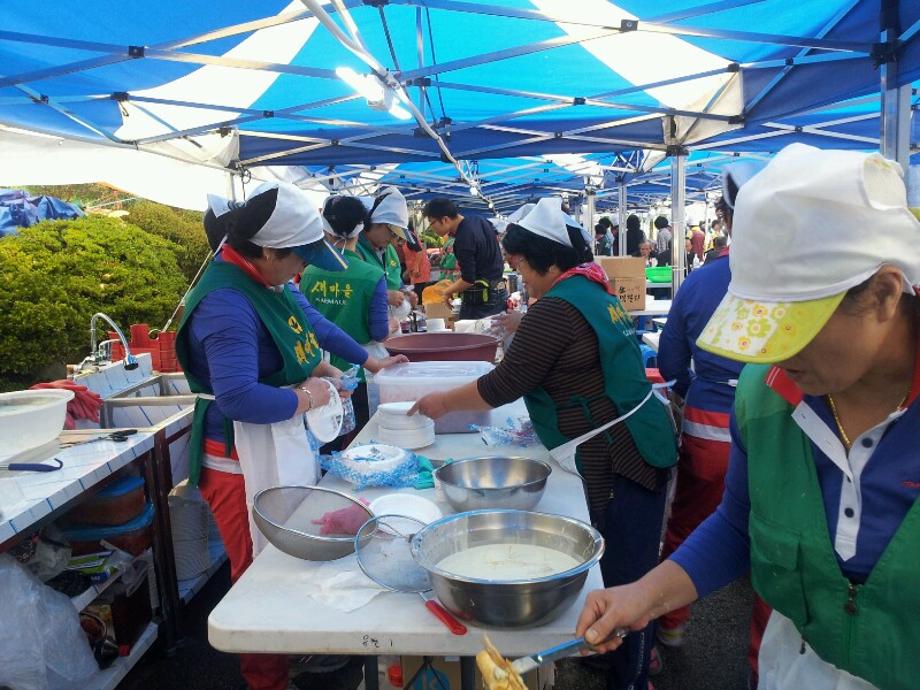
386,31
434,62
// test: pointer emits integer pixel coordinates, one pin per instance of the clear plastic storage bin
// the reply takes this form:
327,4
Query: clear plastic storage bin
412,380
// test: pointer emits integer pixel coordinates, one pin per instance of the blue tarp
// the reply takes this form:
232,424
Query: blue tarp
19,210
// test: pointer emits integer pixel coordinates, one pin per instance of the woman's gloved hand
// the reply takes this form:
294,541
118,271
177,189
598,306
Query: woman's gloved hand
375,364
311,394
505,324
344,521
395,298
433,405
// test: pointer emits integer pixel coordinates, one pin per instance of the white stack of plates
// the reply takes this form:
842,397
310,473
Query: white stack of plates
397,428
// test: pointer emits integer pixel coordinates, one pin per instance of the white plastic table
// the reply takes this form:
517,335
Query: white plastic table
653,307
85,466
651,339
269,610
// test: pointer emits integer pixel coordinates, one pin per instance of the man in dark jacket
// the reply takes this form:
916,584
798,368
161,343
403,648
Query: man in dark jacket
481,285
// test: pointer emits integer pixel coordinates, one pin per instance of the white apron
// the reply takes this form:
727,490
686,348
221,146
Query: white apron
270,455
565,454
783,666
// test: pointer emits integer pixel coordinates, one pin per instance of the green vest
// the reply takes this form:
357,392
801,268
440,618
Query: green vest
344,297
285,322
389,265
870,630
625,383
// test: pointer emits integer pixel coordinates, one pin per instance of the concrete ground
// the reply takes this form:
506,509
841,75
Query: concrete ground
713,658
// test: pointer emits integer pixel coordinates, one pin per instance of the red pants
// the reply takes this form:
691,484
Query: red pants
700,482
226,495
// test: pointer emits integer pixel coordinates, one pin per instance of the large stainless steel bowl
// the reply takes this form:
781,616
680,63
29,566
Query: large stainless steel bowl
493,482
286,514
507,604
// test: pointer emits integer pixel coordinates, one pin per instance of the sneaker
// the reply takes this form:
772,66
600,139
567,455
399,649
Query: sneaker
672,637
655,663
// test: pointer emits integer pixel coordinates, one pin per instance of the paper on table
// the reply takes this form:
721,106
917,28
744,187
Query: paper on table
338,584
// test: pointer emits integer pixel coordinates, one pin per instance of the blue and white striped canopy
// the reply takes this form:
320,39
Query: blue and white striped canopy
247,84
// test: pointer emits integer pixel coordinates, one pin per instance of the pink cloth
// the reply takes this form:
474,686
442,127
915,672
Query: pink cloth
592,272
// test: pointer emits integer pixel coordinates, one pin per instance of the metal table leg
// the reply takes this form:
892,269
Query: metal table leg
370,673
467,673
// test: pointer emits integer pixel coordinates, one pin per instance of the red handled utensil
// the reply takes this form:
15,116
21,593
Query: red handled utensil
443,615
382,549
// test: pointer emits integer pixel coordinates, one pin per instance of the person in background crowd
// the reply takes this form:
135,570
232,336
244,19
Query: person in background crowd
645,252
719,242
615,239
663,240
481,286
418,266
821,499
355,299
697,242
576,361
634,235
705,391
603,245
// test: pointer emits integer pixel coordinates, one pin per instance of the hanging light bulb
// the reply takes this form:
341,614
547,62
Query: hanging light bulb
399,112
474,190
366,85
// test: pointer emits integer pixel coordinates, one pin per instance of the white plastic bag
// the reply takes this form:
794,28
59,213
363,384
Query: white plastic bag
42,646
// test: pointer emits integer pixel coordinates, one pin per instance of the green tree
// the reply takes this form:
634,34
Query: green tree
184,228
55,275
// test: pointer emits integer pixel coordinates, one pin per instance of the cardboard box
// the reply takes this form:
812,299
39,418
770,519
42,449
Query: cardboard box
448,672
627,277
439,311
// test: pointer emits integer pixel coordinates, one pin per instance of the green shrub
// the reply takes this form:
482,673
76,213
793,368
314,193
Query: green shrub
55,275
179,226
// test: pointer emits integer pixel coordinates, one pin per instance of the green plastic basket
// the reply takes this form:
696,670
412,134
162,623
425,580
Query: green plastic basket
658,274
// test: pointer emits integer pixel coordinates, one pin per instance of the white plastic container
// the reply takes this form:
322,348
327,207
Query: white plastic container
412,380
30,419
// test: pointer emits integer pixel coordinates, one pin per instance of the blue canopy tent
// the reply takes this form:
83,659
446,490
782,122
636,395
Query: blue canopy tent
460,94
490,80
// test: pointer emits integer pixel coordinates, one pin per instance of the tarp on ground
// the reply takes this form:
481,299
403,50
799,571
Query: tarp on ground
19,210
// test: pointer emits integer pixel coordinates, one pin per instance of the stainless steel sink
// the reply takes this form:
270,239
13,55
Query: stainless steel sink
161,402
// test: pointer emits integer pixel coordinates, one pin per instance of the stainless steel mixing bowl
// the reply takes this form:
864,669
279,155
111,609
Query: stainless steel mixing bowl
493,482
285,515
507,604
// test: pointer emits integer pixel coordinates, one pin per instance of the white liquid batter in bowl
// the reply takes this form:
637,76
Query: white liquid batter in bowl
507,562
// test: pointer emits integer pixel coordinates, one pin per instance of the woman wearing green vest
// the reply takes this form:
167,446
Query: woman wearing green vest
821,498
387,222
248,349
354,299
576,362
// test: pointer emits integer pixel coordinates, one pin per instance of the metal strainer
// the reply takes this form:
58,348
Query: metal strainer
382,549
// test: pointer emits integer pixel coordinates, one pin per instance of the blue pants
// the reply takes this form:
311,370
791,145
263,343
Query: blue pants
631,525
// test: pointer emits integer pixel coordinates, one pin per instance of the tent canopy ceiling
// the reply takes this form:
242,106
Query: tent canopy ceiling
256,84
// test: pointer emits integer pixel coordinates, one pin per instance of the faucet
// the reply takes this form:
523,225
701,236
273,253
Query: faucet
96,354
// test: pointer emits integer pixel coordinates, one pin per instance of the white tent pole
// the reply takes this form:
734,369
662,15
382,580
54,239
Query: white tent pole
895,105
678,223
589,209
621,209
